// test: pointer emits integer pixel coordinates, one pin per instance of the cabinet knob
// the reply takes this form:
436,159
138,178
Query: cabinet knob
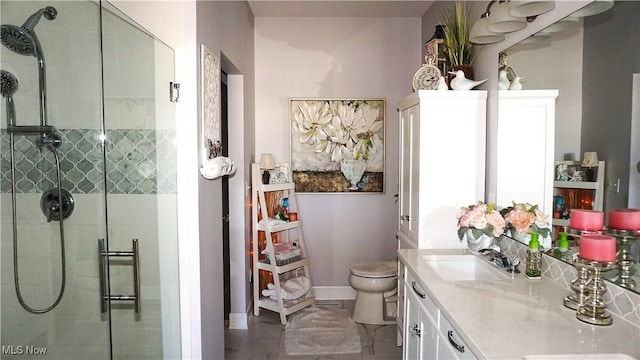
415,330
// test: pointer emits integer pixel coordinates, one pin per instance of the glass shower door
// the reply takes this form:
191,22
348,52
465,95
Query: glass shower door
140,190
95,121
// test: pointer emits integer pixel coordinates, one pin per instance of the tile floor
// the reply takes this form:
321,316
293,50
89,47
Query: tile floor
265,339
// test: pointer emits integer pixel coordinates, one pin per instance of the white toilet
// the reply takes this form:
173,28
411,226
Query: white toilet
377,286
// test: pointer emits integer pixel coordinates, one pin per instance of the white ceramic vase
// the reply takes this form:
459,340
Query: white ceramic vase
476,244
353,171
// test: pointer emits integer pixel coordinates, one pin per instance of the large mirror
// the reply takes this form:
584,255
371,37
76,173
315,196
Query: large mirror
594,62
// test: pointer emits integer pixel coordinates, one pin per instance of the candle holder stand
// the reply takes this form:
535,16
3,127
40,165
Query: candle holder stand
593,310
579,285
580,292
577,233
626,261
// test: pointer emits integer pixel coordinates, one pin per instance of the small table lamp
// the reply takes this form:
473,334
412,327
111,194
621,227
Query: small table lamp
590,161
266,164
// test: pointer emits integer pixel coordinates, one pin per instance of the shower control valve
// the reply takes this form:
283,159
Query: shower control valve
57,204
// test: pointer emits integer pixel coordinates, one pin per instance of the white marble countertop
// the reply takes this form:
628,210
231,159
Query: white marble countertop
513,318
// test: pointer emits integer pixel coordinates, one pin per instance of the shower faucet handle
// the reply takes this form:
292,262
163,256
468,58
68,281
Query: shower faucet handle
57,204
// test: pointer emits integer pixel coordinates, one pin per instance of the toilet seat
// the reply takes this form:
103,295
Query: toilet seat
375,269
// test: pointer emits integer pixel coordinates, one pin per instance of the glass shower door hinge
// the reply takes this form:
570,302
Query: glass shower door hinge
174,92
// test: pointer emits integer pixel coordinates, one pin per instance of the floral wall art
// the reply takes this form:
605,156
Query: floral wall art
337,145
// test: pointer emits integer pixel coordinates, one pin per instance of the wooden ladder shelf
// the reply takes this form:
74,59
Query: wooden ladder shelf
291,232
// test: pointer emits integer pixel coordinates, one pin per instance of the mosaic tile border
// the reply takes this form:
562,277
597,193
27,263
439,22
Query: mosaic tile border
621,302
138,161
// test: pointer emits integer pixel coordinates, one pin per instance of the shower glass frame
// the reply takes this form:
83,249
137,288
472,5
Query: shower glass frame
108,98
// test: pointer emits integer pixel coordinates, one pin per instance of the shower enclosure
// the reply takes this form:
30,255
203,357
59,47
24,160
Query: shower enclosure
88,255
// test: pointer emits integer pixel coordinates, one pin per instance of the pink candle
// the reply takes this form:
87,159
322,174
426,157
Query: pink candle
624,219
589,220
598,247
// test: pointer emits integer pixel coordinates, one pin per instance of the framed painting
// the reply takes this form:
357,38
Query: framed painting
337,145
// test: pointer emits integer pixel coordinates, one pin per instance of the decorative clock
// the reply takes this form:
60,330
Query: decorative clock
426,78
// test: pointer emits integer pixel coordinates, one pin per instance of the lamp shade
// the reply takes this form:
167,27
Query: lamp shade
561,25
596,7
479,33
530,8
266,162
501,21
590,159
536,38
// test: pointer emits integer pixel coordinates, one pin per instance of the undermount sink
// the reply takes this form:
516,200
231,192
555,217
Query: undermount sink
464,268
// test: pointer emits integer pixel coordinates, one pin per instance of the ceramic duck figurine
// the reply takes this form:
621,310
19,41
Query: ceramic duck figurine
516,84
442,84
460,82
503,81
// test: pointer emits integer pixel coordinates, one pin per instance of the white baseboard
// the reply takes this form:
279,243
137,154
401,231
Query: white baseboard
238,321
334,293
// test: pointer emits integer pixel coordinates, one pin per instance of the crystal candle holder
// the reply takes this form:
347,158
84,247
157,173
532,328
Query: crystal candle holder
593,310
580,292
626,261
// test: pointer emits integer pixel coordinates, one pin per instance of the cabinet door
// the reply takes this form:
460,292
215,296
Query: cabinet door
411,339
420,335
428,337
409,157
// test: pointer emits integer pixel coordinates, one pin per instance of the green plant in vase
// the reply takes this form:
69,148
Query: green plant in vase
457,48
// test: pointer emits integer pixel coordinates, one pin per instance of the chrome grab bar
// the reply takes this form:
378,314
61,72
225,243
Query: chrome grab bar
103,261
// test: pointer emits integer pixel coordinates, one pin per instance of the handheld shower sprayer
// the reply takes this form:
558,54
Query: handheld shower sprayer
23,41
8,87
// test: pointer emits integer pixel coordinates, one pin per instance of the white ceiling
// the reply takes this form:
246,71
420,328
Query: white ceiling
339,8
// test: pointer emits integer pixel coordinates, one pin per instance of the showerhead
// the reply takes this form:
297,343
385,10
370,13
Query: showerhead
8,84
8,87
23,40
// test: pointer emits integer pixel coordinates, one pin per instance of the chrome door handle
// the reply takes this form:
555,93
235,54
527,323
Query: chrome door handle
103,268
105,296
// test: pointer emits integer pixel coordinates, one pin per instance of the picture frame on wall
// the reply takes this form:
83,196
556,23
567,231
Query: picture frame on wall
337,145
210,81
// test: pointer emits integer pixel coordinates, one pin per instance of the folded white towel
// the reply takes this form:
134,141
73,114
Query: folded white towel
291,289
272,222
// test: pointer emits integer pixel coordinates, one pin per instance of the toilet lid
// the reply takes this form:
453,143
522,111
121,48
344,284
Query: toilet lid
375,269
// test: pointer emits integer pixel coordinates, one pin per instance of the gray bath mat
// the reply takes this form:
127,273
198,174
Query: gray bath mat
318,331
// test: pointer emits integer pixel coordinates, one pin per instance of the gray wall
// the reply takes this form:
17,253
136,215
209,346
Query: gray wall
611,56
227,27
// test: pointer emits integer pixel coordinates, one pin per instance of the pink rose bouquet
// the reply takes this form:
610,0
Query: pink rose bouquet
523,218
481,219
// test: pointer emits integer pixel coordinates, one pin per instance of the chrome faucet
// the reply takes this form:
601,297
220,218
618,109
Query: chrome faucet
500,260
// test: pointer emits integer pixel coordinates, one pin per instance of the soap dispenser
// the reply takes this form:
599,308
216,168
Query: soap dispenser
534,258
563,252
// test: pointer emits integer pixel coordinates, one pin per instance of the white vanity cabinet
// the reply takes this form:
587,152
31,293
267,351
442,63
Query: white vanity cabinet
421,323
442,164
525,148
428,333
